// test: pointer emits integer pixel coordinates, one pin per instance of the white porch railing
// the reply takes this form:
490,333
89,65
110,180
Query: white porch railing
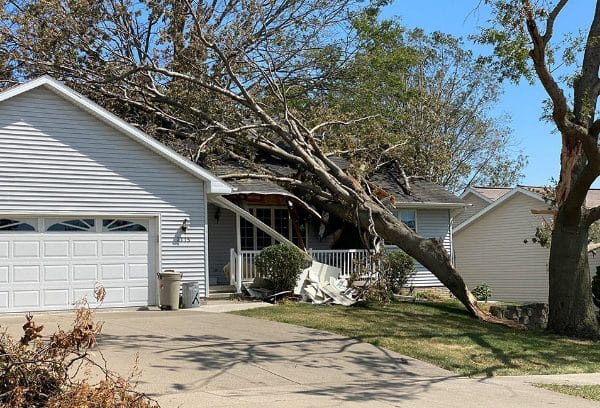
348,260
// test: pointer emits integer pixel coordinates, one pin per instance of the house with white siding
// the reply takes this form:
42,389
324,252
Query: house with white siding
87,199
493,242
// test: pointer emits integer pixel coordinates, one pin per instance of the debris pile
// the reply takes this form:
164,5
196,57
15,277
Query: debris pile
320,284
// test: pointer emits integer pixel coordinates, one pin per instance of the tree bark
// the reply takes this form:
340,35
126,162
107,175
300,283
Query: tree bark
572,311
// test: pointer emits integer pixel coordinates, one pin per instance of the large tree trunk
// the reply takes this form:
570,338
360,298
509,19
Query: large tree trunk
427,251
571,311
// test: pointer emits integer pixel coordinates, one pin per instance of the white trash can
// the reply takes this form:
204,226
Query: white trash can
169,283
191,295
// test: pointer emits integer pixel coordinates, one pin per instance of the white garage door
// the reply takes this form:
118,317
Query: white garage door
53,263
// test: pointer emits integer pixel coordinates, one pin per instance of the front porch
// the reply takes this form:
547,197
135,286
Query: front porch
349,261
236,236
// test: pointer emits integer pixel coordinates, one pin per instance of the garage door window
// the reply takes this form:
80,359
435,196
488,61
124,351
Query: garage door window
81,225
122,226
15,225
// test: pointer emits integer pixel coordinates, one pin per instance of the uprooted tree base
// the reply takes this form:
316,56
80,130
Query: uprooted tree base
48,372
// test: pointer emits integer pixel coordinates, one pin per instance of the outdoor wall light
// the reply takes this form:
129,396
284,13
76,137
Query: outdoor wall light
184,225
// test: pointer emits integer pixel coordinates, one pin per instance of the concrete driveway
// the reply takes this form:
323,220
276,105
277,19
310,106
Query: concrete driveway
198,359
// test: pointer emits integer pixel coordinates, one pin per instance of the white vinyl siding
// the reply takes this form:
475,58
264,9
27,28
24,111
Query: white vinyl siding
477,204
432,224
55,157
492,250
222,237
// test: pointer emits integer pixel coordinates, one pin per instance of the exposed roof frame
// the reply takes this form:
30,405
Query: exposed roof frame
497,203
283,194
225,203
216,185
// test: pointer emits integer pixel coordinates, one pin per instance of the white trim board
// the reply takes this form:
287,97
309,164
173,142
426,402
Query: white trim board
497,203
215,184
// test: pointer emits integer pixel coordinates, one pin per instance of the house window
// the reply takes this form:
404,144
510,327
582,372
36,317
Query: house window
408,217
254,239
14,225
81,225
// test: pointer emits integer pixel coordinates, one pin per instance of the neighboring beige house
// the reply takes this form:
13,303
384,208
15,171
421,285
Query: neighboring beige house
489,242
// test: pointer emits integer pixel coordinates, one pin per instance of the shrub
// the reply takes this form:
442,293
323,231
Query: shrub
482,292
396,268
282,265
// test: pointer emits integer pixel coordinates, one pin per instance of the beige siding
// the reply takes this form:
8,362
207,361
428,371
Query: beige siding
492,250
478,204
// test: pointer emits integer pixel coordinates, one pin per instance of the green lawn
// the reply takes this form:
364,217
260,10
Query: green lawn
591,392
443,334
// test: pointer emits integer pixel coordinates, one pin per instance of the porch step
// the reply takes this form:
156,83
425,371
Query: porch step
221,291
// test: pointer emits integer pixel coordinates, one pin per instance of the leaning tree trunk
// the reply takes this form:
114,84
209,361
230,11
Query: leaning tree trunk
572,311
427,251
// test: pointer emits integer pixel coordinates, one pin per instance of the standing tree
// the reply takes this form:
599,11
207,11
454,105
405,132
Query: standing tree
522,32
433,99
224,73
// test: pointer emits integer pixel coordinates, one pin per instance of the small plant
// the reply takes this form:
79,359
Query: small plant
385,274
396,268
282,265
482,292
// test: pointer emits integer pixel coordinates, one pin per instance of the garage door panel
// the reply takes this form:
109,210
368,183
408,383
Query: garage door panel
4,249
85,248
56,297
137,248
115,296
54,249
85,272
26,249
26,298
56,273
112,272
84,293
4,295
138,271
113,248
4,270
138,294
26,274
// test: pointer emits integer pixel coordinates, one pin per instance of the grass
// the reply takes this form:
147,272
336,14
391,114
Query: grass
443,334
591,392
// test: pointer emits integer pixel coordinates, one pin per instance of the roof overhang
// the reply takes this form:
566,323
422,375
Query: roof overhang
496,204
303,203
216,185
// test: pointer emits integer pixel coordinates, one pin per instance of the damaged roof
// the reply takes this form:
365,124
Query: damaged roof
419,191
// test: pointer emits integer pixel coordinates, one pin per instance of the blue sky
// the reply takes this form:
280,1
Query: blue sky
522,102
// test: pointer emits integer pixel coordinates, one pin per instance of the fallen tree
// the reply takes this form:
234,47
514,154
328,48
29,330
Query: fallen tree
221,79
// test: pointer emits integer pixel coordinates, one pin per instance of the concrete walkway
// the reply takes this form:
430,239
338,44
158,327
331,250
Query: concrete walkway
191,358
